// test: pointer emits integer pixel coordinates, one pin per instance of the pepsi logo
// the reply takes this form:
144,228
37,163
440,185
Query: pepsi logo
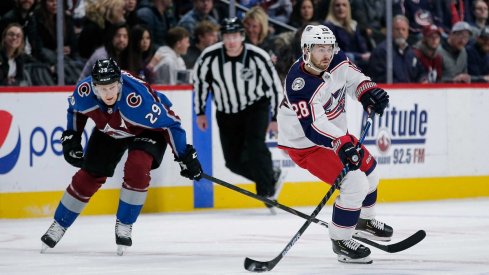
9,142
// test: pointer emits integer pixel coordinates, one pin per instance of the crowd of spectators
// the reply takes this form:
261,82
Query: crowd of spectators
160,40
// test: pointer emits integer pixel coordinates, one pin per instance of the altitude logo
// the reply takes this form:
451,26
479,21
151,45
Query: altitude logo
9,142
399,135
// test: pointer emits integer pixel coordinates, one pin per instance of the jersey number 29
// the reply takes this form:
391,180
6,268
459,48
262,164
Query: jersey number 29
153,116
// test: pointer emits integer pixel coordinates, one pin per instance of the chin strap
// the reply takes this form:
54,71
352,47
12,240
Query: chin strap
307,61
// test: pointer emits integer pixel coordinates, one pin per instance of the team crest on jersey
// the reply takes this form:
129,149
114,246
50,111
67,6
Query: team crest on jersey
133,100
298,84
247,74
84,89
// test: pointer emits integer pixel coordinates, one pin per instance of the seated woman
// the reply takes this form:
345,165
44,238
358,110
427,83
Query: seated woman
347,33
12,56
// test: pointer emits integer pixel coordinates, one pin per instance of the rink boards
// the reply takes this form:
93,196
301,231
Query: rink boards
430,144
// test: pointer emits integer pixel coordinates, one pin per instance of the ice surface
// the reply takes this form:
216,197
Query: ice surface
216,242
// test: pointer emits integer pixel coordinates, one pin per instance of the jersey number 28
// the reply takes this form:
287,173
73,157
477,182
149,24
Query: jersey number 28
301,109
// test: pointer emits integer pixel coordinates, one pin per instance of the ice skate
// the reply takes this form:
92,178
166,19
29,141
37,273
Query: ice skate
351,252
279,176
373,230
52,236
122,237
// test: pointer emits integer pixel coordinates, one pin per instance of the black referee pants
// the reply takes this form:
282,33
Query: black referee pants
243,144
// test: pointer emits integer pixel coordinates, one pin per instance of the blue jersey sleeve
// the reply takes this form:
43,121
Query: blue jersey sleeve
144,107
80,102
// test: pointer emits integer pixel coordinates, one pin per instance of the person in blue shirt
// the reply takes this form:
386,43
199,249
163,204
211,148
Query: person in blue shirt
129,116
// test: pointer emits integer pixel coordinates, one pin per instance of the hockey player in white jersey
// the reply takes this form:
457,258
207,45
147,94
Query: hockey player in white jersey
313,131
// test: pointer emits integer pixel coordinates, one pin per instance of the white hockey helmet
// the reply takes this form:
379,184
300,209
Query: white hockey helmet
316,35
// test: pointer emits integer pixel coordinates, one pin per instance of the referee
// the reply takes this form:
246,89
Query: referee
245,88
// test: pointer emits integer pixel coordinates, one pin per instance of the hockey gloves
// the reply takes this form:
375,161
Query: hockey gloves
189,164
348,153
72,149
376,98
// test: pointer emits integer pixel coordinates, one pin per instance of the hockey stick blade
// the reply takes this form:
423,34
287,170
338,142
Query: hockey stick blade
257,266
397,247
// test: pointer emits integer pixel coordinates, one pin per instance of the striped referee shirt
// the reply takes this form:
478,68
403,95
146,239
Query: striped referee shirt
235,82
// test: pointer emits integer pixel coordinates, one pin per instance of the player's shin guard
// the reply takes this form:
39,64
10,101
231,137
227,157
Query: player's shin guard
68,210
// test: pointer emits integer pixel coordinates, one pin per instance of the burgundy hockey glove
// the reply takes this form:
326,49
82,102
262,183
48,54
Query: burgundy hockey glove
190,165
348,154
375,98
72,149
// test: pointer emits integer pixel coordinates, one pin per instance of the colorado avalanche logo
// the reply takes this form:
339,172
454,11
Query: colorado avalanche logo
247,74
84,89
133,100
9,142
383,141
298,84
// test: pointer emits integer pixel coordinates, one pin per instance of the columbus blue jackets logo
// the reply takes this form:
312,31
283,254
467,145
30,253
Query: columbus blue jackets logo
9,142
298,84
247,74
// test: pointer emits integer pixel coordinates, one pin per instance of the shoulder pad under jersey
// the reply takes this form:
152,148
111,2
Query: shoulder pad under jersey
83,98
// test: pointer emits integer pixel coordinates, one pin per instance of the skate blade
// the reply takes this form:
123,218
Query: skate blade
348,260
121,249
44,248
273,210
370,236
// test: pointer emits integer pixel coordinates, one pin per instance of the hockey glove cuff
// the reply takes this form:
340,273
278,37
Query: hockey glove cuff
190,165
347,152
72,149
376,98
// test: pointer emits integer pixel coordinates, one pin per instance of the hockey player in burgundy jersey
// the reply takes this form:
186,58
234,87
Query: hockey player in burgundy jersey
313,131
128,115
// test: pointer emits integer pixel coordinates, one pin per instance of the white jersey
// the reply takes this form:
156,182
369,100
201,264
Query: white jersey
313,110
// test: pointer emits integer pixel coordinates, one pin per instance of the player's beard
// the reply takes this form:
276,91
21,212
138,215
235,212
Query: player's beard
322,65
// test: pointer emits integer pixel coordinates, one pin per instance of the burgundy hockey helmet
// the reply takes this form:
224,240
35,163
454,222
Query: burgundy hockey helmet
105,71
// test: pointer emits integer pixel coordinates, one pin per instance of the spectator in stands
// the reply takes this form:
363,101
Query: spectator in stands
12,56
422,13
46,29
115,47
279,10
255,23
23,14
321,7
99,18
203,10
303,13
370,16
427,54
158,18
347,33
481,13
454,54
141,51
478,57
130,12
206,34
167,63
406,67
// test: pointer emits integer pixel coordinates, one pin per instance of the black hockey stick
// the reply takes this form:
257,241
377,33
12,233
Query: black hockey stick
391,248
258,266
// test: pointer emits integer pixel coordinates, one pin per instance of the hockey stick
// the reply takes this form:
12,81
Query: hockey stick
390,248
258,266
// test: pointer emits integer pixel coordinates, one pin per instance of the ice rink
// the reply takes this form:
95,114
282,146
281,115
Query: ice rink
217,242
